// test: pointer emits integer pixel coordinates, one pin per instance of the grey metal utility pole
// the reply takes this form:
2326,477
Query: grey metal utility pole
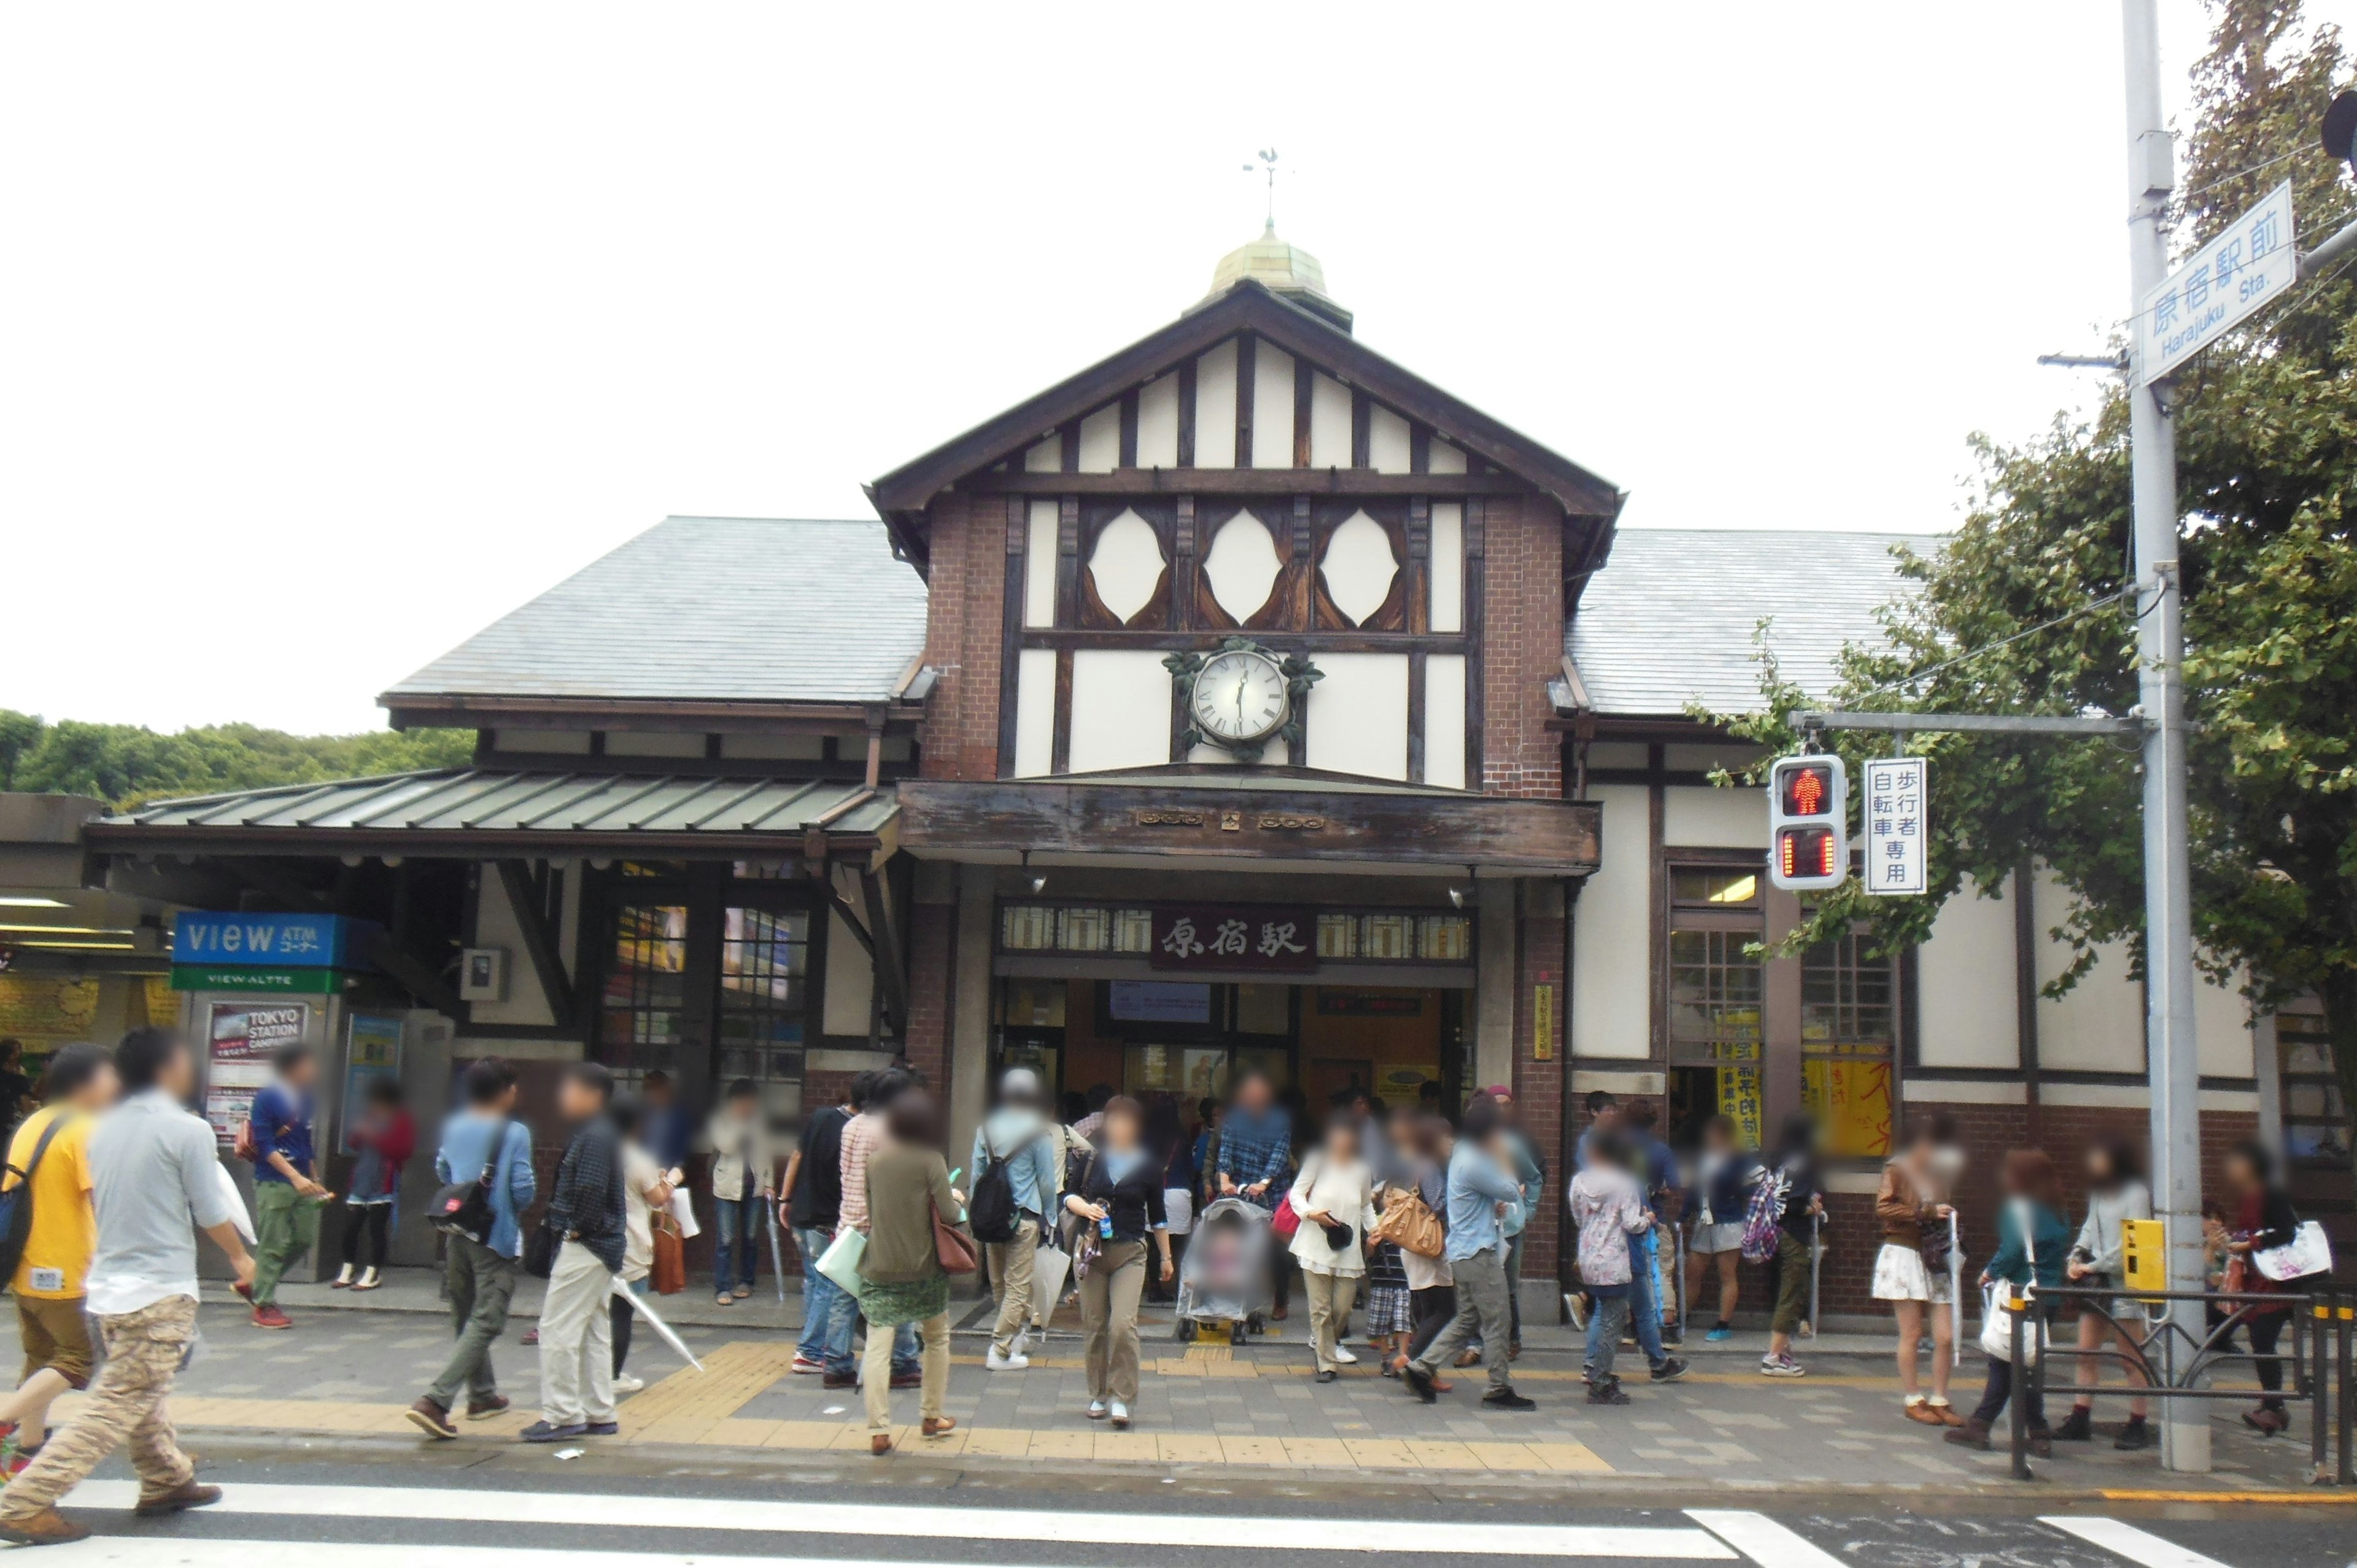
2172,1067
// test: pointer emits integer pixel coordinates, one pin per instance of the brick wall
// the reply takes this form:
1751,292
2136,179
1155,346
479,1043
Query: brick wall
1521,609
927,1039
1538,1088
966,582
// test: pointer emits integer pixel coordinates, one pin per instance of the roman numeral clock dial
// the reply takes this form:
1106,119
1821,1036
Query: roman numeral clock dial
1240,696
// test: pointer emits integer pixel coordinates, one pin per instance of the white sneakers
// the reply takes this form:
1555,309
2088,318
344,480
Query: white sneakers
1096,1410
1120,1413
1013,1360
626,1384
1344,1356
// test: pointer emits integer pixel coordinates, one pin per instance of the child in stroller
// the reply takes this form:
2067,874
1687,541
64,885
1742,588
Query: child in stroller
1226,1277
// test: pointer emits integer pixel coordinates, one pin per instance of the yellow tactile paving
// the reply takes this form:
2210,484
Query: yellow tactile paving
700,1409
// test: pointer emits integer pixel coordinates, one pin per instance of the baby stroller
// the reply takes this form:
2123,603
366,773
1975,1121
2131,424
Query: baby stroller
1225,1279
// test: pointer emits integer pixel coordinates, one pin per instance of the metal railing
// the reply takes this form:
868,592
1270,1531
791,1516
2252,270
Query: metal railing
2173,1363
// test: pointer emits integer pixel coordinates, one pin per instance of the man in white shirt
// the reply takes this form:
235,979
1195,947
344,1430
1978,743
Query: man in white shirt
152,1165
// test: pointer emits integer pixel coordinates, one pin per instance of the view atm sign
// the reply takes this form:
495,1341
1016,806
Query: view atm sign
275,942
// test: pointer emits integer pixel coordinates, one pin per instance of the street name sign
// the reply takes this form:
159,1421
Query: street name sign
2253,261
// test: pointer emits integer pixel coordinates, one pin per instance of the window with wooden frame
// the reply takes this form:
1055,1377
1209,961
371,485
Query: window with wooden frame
1717,994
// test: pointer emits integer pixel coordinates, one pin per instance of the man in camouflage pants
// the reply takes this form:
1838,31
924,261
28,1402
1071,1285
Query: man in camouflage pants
152,1165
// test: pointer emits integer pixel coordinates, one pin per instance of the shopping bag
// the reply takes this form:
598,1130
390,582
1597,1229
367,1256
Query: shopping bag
684,1210
840,1262
1997,1328
2307,1252
1050,1265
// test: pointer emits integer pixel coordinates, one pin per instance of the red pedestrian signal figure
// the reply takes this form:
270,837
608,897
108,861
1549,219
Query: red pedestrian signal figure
1808,811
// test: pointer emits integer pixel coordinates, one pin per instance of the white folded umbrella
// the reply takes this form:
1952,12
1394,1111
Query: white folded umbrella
645,1309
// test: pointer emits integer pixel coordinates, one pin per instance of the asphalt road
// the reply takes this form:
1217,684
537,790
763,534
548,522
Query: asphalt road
280,1513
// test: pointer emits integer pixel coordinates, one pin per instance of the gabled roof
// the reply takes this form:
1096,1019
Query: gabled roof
902,496
711,609
1669,619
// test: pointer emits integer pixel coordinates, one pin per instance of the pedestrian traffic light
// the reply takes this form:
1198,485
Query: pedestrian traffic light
1808,807
2340,128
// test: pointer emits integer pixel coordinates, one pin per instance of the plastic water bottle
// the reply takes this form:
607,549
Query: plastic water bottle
1104,1228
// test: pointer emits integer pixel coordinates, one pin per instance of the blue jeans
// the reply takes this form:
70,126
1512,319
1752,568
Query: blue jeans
829,1312
735,1240
1643,1307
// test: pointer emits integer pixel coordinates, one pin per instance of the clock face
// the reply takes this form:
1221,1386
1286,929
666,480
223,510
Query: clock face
1240,696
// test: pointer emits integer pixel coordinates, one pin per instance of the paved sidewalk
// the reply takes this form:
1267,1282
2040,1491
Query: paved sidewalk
1204,1406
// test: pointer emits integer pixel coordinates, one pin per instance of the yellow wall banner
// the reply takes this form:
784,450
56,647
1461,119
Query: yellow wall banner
46,1011
1851,1099
1543,1023
1739,1101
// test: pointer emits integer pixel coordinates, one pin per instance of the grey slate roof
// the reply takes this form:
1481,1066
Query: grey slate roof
467,801
711,608
1669,619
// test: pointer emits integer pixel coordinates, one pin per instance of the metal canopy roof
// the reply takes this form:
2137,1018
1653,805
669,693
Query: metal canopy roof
465,811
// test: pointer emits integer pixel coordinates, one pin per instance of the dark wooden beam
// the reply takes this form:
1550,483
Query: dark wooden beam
539,942
1304,381
1186,414
1244,481
1244,380
1128,454
1011,603
417,977
884,949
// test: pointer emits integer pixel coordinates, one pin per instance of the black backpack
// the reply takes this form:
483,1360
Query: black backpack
17,1204
465,1208
991,1212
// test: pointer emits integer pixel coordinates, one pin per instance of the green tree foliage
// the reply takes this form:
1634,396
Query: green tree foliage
2266,434
126,765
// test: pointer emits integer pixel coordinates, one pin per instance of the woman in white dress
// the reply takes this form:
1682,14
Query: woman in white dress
1913,1211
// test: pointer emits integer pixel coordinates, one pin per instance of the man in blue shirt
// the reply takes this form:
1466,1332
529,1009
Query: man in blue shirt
1255,1151
286,1199
1016,1136
482,1141
1480,1189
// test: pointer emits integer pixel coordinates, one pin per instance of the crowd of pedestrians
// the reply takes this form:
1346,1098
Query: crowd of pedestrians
1403,1214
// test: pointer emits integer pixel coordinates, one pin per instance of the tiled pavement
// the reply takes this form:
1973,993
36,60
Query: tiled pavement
350,1373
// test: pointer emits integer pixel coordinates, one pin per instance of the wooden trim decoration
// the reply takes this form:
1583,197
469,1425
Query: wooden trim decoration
1391,615
1061,754
1242,481
1244,380
1415,567
1068,560
1069,447
1304,381
1187,413
1155,613
1128,454
1182,640
1010,629
1419,447
1657,910
1475,619
1415,662
1362,423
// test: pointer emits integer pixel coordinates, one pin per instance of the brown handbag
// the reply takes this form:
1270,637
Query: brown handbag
951,1246
668,1274
1409,1223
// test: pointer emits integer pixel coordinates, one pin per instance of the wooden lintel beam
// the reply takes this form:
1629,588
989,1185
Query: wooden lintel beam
1247,482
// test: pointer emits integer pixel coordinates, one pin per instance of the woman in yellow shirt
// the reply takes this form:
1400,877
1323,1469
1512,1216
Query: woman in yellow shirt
48,1285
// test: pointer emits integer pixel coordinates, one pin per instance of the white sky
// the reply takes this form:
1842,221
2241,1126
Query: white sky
328,334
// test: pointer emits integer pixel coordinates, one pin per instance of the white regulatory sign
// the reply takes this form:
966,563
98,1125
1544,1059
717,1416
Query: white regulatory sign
1897,826
2251,262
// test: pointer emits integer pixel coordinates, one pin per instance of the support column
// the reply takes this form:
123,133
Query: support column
969,1052
1494,977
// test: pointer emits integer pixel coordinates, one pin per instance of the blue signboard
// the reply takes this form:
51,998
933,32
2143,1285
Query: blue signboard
275,941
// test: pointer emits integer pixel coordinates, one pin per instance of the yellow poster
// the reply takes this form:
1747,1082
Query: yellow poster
1851,1099
1543,1023
1739,1101
163,1001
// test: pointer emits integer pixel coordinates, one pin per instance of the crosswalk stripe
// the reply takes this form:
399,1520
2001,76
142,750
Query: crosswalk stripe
2136,1545
1762,1539
1252,1532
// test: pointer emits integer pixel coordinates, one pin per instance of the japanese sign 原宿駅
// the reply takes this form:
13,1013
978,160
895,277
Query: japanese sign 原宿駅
2249,263
242,1037
1233,936
277,941
1895,823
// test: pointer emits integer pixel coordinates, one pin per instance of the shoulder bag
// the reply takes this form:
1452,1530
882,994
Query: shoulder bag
1409,1223
1996,1317
667,1275
466,1207
17,1204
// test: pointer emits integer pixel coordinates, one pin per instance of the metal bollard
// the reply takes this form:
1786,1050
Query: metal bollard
2319,1329
2017,1407
2345,1321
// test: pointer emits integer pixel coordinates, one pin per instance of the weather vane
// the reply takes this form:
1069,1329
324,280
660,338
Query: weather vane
1268,161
